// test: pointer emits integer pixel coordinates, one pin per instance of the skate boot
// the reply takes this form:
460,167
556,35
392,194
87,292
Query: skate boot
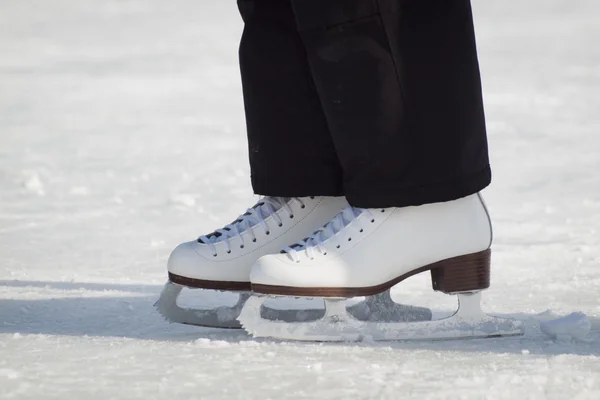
222,260
363,252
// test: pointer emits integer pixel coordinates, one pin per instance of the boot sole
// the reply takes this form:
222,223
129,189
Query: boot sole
204,284
466,273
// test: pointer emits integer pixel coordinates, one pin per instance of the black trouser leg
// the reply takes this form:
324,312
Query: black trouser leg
291,150
400,88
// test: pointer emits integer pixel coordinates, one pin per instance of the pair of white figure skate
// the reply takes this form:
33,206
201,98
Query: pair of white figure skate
353,252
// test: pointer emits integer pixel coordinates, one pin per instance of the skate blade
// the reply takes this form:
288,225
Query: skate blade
220,317
380,307
377,308
338,325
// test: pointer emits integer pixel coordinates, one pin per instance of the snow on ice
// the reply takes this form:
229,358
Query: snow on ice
122,135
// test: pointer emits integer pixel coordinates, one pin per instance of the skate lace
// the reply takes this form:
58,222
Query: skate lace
325,233
254,216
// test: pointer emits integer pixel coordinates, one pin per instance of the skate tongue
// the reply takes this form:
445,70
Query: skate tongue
250,216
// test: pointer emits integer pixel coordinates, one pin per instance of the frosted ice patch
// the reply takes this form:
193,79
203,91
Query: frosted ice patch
205,342
573,326
157,243
318,367
33,183
9,373
183,200
545,316
79,191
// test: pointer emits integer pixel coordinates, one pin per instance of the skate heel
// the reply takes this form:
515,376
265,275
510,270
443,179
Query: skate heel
467,273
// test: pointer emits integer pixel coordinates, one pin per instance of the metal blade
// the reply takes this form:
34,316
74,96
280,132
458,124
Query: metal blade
220,317
338,325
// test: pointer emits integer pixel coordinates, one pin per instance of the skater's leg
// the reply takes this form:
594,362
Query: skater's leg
399,83
291,150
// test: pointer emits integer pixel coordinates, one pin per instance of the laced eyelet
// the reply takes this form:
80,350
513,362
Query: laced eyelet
303,206
267,232
280,225
291,216
228,251
254,240
373,220
214,255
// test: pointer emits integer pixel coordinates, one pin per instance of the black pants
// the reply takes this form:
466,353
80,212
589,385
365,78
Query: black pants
376,100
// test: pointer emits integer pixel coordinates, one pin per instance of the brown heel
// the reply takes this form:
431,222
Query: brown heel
466,273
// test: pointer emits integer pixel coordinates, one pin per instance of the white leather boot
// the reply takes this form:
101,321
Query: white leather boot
222,260
363,252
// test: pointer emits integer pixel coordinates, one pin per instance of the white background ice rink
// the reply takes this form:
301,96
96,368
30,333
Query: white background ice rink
122,134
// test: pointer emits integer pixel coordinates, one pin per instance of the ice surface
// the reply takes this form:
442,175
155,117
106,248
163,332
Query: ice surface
576,325
122,134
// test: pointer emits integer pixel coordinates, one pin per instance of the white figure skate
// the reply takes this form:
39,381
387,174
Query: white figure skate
363,252
222,261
